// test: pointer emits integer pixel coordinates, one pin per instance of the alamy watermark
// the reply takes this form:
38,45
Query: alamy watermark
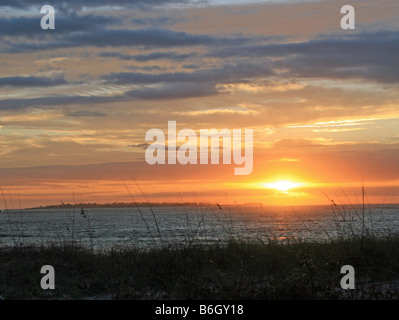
166,152
348,20
348,281
48,20
48,281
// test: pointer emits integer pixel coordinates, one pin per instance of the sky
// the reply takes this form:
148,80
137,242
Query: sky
76,102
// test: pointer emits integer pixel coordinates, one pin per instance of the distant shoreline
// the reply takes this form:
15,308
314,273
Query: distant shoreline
120,205
186,204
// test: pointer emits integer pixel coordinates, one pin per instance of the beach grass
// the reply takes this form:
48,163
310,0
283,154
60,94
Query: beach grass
236,270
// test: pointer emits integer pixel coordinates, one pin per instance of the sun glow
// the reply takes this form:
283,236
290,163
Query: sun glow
283,185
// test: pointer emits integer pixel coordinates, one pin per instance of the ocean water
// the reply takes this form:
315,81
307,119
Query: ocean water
165,225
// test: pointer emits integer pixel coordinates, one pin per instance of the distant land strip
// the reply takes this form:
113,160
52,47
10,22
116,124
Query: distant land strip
121,205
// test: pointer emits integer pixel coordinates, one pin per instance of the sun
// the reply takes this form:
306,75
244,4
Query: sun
283,185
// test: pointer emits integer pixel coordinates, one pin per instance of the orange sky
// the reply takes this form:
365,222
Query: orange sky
76,102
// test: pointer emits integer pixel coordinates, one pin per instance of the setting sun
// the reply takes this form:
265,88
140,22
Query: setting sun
283,185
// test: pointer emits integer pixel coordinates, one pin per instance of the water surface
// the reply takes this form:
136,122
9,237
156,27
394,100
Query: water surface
154,226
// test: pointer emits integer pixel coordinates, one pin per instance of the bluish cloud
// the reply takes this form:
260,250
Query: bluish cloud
31,81
30,26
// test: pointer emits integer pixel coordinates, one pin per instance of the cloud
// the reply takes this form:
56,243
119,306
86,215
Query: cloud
140,145
157,38
48,102
368,56
30,26
79,4
174,91
85,113
231,73
142,38
157,21
160,55
166,91
31,81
